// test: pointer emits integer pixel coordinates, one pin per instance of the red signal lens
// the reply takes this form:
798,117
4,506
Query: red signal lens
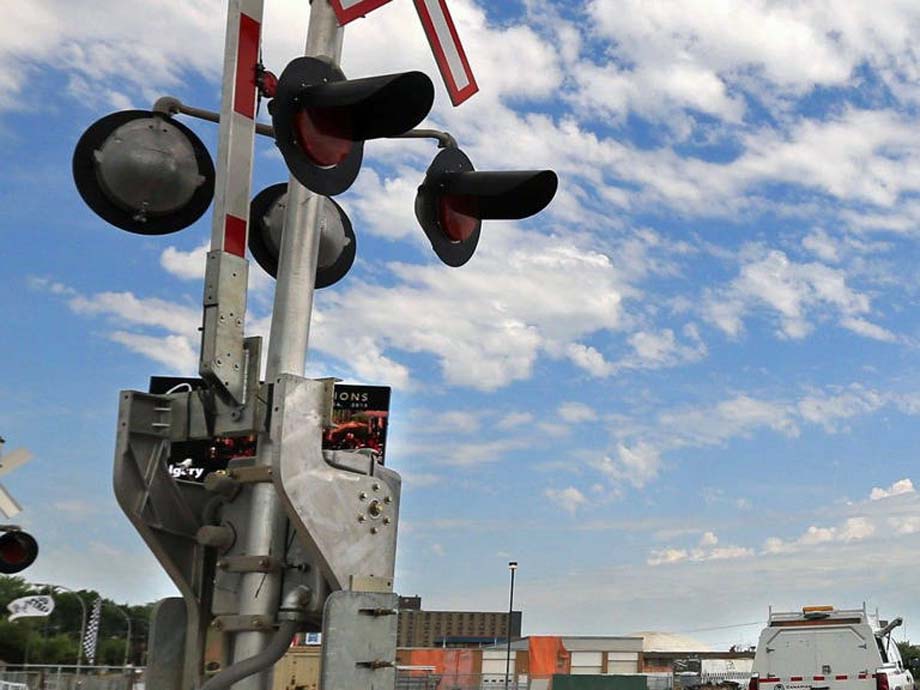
458,216
881,681
12,550
324,134
754,683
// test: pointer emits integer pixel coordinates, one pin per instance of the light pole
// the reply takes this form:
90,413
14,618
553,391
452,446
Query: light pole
82,622
512,566
128,640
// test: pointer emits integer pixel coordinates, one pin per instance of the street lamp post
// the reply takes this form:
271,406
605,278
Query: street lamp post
128,640
512,566
82,622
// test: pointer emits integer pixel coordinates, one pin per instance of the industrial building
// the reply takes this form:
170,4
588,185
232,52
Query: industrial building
419,628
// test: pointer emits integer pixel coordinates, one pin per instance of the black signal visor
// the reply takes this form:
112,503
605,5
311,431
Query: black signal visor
504,195
377,106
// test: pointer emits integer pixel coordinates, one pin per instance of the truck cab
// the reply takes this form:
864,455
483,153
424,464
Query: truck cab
822,648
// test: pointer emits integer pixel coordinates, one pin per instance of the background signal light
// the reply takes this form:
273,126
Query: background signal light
321,120
144,172
454,199
18,550
337,241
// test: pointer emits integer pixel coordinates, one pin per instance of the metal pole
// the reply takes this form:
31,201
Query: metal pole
512,566
259,592
82,624
128,640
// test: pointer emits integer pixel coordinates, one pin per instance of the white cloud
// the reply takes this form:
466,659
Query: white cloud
905,525
569,499
708,539
188,265
852,529
665,556
795,292
828,409
514,419
576,412
636,464
898,488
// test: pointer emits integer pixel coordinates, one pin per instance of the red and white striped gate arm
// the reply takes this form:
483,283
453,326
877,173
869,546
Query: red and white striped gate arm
237,127
447,49
349,10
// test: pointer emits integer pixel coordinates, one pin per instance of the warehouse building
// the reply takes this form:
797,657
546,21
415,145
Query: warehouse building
419,628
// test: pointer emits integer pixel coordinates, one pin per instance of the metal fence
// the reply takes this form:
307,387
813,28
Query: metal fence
423,679
47,677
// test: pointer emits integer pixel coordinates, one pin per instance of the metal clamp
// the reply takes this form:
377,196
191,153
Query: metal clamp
255,474
238,623
249,564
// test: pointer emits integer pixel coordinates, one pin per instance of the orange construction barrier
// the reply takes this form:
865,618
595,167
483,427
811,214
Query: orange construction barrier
548,656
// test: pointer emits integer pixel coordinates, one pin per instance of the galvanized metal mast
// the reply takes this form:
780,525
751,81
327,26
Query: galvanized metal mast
259,593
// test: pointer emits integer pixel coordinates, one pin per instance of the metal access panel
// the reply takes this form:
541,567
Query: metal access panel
343,506
359,641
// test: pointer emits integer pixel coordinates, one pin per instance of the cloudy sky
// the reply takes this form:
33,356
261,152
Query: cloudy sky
686,392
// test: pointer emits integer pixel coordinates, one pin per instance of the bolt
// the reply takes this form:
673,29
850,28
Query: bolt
363,495
361,517
237,414
386,521
264,562
222,564
257,622
220,363
374,509
236,367
387,499
218,624
374,530
375,486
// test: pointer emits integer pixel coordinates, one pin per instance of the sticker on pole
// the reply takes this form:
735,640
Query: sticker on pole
447,49
349,10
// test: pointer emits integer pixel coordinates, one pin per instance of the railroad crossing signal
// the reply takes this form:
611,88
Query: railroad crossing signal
18,550
144,172
454,199
337,241
295,536
322,120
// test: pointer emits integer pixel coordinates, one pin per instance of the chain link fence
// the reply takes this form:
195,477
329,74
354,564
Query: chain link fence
42,677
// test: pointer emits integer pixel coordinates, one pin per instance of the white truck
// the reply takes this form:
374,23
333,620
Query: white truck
822,648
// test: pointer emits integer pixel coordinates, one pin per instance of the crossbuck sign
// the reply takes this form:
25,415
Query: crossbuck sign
442,36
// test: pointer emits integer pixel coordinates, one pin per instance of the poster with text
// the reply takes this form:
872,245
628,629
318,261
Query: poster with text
360,415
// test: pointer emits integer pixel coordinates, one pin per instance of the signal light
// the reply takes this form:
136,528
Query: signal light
144,172
18,551
337,241
321,120
454,199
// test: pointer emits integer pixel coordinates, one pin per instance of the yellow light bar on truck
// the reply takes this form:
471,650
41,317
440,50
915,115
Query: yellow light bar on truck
817,609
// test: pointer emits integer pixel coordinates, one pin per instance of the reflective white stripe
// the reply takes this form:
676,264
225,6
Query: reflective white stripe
447,45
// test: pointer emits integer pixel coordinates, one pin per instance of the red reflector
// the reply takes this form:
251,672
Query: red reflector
881,681
457,216
324,134
840,677
795,679
819,678
754,683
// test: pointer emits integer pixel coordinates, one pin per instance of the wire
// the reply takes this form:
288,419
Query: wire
179,386
722,627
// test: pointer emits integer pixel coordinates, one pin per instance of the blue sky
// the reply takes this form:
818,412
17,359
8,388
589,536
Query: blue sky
693,379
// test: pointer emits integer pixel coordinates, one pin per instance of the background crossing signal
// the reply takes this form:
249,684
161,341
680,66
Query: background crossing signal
337,241
321,120
18,550
144,172
454,199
